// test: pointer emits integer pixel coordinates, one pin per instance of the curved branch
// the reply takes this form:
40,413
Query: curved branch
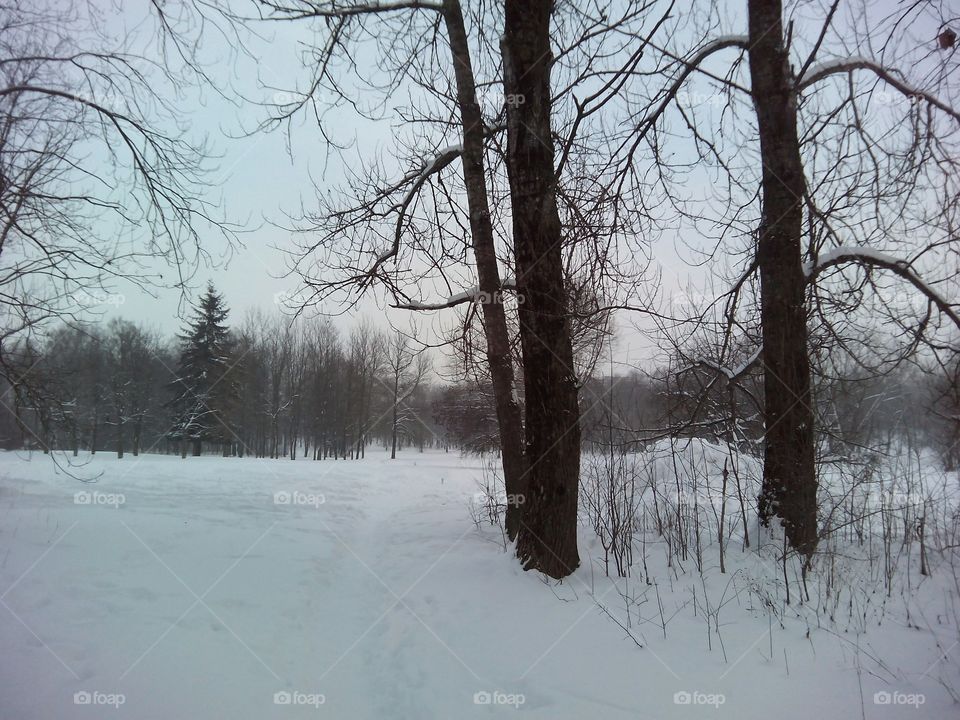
443,158
689,66
474,294
849,65
870,258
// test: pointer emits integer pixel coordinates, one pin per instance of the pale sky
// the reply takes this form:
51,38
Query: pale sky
259,178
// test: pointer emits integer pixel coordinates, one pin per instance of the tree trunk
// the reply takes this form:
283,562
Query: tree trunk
396,395
547,540
789,476
137,434
197,447
509,420
45,433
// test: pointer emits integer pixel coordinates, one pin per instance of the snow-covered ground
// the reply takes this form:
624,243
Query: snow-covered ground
243,588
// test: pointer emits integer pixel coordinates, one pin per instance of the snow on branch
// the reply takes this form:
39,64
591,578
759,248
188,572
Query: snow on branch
443,158
874,258
849,65
732,374
690,65
473,294
338,10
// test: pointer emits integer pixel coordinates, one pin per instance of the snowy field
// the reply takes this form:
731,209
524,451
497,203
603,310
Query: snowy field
243,588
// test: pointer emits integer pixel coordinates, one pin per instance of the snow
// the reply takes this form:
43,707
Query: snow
830,66
742,367
470,294
729,373
460,297
730,40
384,256
890,77
443,156
835,254
241,588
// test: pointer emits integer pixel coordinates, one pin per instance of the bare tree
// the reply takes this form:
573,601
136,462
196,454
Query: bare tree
406,370
409,225
98,180
789,475
852,183
547,540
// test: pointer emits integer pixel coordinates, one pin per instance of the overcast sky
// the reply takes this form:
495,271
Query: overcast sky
263,176
259,179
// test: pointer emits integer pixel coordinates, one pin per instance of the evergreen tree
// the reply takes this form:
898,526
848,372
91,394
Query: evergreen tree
204,392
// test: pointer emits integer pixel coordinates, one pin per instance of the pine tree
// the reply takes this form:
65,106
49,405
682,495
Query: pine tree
204,392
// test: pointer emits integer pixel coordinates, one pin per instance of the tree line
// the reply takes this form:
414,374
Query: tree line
281,387
270,387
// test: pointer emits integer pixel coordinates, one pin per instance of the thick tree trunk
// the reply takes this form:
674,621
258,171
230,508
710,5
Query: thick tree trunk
547,540
197,447
789,475
509,420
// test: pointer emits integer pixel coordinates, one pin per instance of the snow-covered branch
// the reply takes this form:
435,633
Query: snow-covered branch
443,158
875,258
849,65
299,11
690,65
732,374
473,294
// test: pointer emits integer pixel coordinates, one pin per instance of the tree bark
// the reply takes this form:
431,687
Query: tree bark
789,476
509,420
137,434
547,540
